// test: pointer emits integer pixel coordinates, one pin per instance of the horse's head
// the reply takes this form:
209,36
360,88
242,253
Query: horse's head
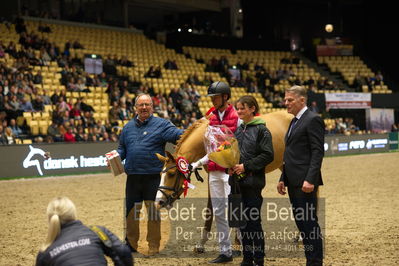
171,185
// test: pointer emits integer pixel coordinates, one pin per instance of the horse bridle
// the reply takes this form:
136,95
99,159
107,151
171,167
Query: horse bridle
177,189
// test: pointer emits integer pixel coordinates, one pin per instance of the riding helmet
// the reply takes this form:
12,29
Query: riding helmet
217,88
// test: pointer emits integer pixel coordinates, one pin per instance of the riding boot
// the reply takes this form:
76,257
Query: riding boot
133,225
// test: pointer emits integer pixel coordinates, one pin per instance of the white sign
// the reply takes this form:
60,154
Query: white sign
348,100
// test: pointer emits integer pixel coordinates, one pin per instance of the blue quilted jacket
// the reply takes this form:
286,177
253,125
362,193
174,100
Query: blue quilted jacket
139,142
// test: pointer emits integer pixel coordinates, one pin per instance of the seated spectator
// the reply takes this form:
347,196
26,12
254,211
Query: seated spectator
93,136
3,138
379,78
38,104
77,45
156,100
71,85
175,97
44,28
207,80
44,57
86,107
2,53
186,104
16,130
209,66
54,132
114,95
81,86
26,106
2,106
38,78
89,81
88,119
80,135
109,65
314,108
113,114
10,137
105,137
11,49
46,98
20,93
14,104
102,80
153,72
48,139
124,113
193,79
170,64
125,62
69,136
75,112
114,137
67,46
252,87
125,87
64,229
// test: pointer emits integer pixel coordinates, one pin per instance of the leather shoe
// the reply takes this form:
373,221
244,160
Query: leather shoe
314,262
222,259
246,263
259,262
236,253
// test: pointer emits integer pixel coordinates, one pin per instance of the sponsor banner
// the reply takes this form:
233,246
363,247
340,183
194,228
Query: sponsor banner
69,159
29,160
348,100
394,141
356,144
73,158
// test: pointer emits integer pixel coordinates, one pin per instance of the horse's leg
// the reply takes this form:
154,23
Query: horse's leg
199,248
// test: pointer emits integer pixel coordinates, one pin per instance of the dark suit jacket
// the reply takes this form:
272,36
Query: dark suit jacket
304,151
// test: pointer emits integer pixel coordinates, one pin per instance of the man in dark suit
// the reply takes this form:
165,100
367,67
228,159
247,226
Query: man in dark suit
303,156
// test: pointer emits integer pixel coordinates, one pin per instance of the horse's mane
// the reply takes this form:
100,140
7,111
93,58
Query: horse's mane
188,132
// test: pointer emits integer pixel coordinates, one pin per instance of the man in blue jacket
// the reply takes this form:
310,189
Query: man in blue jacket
140,139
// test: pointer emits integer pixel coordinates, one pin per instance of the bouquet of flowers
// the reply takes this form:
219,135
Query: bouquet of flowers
222,146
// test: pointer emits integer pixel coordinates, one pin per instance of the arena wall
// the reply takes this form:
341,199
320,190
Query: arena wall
80,158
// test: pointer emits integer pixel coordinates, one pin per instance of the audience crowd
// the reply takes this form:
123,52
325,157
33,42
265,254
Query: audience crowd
73,120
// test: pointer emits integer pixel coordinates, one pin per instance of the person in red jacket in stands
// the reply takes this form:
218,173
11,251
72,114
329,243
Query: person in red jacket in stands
69,136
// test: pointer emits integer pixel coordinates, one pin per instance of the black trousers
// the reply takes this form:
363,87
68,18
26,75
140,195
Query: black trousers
140,188
253,242
304,206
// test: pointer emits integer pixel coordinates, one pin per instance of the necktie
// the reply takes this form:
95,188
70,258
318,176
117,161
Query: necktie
292,125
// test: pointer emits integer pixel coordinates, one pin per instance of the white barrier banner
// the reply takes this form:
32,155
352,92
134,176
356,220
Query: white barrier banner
348,100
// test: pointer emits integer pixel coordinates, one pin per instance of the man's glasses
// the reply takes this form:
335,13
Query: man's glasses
144,104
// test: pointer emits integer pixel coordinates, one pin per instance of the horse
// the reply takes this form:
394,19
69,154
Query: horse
191,147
